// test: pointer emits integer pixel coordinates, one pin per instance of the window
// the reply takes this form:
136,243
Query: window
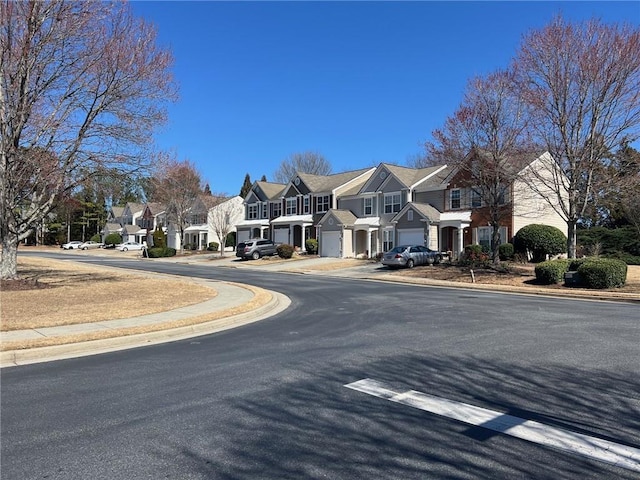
252,211
277,209
368,207
410,216
476,198
484,237
292,206
306,204
503,196
322,204
387,240
455,198
392,202
265,213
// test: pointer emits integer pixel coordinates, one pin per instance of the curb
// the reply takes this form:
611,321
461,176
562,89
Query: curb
11,358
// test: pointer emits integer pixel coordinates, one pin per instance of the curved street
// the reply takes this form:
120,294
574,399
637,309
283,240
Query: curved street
268,400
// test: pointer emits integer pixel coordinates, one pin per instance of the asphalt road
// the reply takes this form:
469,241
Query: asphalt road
268,401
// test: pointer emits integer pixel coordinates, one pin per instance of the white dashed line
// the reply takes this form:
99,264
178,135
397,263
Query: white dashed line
566,440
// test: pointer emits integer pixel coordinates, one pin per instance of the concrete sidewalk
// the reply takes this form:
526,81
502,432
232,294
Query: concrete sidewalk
229,297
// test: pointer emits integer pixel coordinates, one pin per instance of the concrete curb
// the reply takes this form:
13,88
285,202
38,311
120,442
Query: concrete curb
10,358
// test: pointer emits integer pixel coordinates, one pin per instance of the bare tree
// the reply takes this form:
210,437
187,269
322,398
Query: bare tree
83,85
305,162
485,142
177,184
582,84
222,216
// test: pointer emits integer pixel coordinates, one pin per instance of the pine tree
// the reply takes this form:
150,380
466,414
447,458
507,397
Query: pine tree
246,186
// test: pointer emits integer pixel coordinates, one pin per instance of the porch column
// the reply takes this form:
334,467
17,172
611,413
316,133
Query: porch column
368,243
460,240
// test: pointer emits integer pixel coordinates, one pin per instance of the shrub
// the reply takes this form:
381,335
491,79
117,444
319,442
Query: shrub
622,242
311,246
603,273
157,252
506,251
159,238
475,256
96,238
230,241
575,263
213,246
113,239
285,250
540,240
552,271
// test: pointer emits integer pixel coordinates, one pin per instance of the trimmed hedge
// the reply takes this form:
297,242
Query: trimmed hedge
506,251
285,251
602,273
540,240
311,246
552,271
213,246
96,238
113,239
157,252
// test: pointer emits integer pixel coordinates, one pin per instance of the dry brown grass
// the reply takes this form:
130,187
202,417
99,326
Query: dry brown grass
80,294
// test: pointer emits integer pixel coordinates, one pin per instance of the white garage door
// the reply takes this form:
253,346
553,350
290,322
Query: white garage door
242,235
281,235
330,244
411,236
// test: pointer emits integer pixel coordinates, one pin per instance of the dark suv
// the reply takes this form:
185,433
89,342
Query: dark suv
256,248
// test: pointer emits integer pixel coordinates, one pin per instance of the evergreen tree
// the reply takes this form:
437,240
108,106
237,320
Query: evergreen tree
246,186
264,178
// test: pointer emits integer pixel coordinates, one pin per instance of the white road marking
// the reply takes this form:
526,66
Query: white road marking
592,447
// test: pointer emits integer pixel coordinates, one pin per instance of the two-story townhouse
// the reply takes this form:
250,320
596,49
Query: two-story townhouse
369,220
466,217
261,204
223,217
307,198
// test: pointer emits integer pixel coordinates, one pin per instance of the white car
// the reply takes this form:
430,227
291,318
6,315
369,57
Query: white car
90,244
123,247
71,245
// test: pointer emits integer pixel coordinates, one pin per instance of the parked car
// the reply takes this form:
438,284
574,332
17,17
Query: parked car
123,247
410,255
256,248
90,244
71,245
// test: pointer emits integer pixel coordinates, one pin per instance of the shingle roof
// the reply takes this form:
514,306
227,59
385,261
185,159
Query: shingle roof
271,190
156,207
326,183
427,210
409,176
346,217
117,211
437,179
135,207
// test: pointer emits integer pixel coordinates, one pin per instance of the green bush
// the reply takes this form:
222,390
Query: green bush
213,246
622,242
540,240
113,239
159,238
285,251
506,251
96,238
575,263
474,256
603,273
552,271
311,246
230,241
157,252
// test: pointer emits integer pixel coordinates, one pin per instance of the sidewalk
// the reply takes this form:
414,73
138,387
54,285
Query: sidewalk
229,297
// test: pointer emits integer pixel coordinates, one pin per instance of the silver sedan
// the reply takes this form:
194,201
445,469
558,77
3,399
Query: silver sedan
410,255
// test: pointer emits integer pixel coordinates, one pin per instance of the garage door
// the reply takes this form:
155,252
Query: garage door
281,235
411,236
330,244
242,235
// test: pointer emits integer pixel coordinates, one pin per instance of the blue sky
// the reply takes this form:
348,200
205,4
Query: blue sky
359,82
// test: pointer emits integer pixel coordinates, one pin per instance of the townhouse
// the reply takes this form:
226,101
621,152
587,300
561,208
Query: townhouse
366,212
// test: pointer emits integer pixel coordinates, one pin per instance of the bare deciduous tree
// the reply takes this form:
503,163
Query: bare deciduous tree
305,162
582,84
83,85
223,213
485,142
177,184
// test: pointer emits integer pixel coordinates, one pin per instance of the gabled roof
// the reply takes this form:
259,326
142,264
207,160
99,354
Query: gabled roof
271,190
156,208
437,180
327,183
345,217
411,176
117,211
135,207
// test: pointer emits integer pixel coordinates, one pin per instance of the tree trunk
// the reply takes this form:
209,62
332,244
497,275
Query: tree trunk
571,239
9,257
